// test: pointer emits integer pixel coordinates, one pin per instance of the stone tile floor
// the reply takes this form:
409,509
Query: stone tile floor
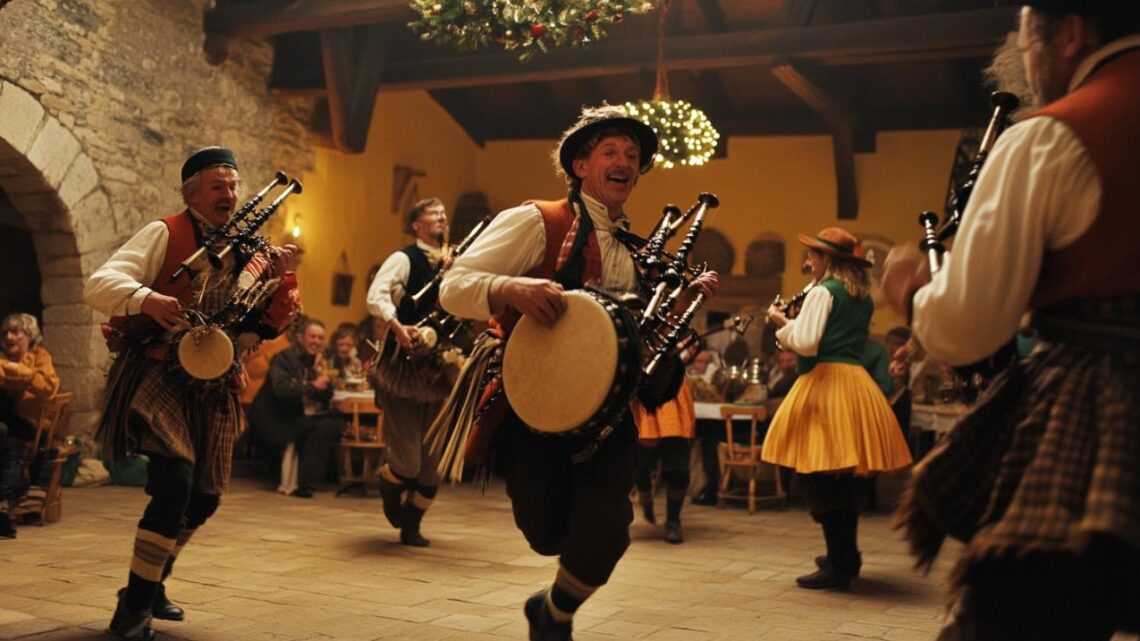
274,567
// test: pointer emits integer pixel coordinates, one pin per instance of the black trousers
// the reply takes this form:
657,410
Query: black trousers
580,511
315,437
673,455
173,504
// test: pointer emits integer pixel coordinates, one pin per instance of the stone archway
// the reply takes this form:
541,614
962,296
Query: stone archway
54,187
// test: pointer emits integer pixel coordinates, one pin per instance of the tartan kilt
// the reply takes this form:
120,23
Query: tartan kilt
1048,458
153,407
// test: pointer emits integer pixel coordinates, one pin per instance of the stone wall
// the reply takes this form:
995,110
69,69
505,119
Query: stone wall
100,102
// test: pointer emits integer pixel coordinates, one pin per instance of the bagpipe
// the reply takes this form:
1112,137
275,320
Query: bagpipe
234,260
577,377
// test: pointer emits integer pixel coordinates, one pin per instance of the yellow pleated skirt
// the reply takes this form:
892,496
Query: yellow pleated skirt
673,419
835,419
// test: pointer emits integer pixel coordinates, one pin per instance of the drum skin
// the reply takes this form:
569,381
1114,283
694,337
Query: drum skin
205,354
556,378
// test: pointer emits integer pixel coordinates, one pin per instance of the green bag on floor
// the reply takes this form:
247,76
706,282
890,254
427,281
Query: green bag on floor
129,472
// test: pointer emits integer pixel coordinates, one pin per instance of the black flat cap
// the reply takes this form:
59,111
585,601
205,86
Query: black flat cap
208,157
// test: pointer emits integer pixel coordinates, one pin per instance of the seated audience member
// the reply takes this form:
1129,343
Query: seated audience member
782,374
293,407
342,359
26,373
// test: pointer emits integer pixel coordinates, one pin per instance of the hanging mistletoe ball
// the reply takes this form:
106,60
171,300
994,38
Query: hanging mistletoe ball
685,135
526,25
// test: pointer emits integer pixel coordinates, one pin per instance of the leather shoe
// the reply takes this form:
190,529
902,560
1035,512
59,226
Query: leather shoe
825,578
302,492
821,561
131,625
162,608
542,626
414,539
673,532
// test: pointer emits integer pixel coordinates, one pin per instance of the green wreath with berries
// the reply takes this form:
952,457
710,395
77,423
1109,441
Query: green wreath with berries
526,25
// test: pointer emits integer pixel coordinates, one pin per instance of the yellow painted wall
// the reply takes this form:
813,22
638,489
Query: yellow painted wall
784,185
347,202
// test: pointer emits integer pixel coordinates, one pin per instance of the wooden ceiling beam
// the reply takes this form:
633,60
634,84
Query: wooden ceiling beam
353,62
270,17
942,36
841,122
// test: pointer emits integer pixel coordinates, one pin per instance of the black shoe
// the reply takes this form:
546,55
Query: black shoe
821,561
673,532
392,496
825,578
132,625
7,527
414,539
162,608
706,496
542,626
647,510
303,492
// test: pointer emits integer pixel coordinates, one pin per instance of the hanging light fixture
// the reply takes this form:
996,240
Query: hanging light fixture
685,134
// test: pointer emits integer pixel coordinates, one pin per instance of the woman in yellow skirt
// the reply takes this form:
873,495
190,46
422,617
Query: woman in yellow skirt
665,435
835,424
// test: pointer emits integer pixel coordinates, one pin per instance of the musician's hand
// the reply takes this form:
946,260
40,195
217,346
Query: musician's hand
707,283
405,334
776,316
538,298
284,258
904,271
165,310
898,368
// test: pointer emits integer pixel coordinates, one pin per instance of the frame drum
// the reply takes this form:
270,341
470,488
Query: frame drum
205,353
576,376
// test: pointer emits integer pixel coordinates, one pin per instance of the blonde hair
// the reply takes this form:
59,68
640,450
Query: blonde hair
855,277
24,323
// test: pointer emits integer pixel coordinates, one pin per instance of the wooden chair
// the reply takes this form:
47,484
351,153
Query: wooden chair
366,439
45,501
745,457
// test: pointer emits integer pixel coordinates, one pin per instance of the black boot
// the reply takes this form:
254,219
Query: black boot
162,608
543,627
646,501
835,573
392,494
410,531
132,625
674,500
7,526
821,561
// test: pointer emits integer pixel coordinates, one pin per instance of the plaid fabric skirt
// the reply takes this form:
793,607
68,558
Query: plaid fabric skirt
1049,458
835,419
154,408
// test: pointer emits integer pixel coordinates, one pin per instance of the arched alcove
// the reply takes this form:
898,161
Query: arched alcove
55,199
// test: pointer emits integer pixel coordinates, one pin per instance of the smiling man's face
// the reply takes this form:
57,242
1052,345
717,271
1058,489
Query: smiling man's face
610,172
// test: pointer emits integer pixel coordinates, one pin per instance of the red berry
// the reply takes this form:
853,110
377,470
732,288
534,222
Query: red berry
591,15
537,31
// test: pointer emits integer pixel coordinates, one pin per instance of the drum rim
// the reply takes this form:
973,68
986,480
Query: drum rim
626,348
194,370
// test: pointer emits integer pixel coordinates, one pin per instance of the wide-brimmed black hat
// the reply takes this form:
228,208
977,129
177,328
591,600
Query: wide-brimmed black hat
595,119
207,157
